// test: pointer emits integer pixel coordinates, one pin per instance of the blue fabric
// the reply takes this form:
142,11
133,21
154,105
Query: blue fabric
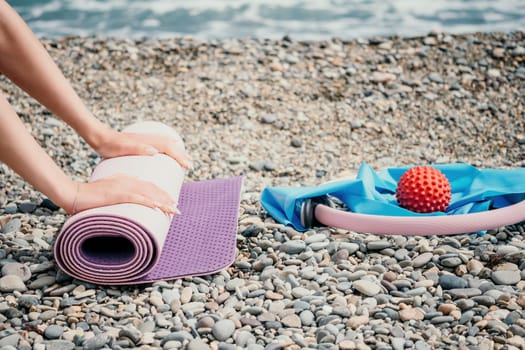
473,190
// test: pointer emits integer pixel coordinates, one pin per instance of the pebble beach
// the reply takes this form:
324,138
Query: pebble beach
283,113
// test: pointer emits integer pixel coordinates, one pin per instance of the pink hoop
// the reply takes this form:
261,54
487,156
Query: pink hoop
421,225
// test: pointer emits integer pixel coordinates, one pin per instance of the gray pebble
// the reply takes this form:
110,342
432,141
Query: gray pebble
378,245
17,269
366,287
27,207
447,281
10,208
244,338
506,277
96,342
293,247
42,282
451,261
422,259
53,331
464,292
223,329
422,345
11,283
13,225
307,318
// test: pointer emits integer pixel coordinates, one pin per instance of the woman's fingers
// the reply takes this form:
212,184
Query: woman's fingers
152,144
119,189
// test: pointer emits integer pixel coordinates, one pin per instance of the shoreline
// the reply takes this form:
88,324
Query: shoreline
285,112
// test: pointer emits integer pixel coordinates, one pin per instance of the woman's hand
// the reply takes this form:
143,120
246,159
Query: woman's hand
117,189
115,144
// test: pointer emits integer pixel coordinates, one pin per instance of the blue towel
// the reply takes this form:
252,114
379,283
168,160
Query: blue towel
473,190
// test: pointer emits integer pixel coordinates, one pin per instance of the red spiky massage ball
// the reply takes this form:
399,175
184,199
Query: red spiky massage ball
423,189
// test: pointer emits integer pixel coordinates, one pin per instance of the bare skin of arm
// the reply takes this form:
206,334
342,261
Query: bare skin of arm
25,62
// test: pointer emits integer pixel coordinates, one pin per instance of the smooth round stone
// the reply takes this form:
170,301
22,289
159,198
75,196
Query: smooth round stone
318,237
485,300
392,314
293,247
13,225
512,318
299,292
465,304
235,283
401,254
421,345
441,319
340,256
53,332
10,339
11,283
398,343
343,286
198,344
27,207
506,277
17,269
378,245
422,259
307,318
506,249
168,295
319,245
243,338
367,288
10,208
464,292
41,282
474,267
451,261
300,305
292,321
205,322
223,329
450,282
416,291
350,247
96,342
466,317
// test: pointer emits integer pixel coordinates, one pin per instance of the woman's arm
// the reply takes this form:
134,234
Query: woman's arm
25,61
22,153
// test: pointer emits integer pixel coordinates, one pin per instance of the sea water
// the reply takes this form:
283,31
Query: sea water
304,20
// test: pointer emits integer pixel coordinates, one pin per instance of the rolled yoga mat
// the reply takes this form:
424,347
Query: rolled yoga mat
128,243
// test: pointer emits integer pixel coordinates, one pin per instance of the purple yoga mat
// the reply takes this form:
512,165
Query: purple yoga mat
118,251
128,243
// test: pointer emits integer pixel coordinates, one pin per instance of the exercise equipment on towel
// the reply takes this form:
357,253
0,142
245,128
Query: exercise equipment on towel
128,244
481,200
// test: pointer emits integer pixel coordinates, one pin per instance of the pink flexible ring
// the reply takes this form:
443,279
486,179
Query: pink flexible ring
420,225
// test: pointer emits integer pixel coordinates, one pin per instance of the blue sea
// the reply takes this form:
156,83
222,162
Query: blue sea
303,20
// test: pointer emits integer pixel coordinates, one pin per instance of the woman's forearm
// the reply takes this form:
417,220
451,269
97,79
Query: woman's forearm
22,153
25,61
